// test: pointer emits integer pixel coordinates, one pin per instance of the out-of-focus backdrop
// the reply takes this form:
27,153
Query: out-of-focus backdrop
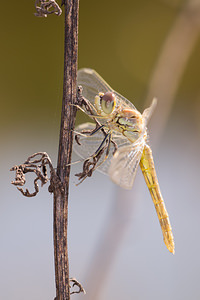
142,49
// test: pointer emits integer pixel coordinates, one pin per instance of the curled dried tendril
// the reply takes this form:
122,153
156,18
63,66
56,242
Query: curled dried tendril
33,165
44,8
74,282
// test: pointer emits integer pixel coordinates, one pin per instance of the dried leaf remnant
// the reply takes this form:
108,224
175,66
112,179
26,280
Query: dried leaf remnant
44,8
39,167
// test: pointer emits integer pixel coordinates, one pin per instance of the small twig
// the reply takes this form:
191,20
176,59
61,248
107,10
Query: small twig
75,282
44,8
78,284
37,166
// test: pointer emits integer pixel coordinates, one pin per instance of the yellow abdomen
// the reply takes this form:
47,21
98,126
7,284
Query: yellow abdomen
148,170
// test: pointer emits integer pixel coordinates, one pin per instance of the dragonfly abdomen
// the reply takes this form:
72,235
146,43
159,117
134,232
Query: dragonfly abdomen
148,170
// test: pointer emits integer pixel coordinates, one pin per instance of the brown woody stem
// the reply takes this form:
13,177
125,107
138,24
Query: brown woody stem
71,8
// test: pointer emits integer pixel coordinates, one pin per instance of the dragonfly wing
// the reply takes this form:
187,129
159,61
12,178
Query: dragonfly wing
122,101
121,142
147,113
89,144
92,84
124,164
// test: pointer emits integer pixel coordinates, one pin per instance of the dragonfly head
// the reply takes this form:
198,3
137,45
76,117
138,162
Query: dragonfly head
105,103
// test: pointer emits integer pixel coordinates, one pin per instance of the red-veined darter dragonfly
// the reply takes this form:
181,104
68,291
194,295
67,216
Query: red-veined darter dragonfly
118,142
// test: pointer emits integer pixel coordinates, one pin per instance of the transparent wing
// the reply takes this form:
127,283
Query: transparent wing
89,144
124,164
147,113
92,83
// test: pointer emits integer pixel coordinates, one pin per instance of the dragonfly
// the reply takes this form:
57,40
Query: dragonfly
116,144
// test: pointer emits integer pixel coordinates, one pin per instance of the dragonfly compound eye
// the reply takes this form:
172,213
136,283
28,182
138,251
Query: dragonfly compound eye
108,102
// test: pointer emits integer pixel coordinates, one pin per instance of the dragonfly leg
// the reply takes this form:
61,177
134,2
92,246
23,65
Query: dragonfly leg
101,151
115,146
91,163
107,151
82,101
88,133
89,166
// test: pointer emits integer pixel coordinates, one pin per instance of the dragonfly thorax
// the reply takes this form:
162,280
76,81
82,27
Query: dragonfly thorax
130,123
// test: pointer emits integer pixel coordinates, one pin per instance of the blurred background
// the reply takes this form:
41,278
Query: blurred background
142,49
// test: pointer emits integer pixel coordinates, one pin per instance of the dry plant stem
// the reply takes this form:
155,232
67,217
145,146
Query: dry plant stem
71,8
38,162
